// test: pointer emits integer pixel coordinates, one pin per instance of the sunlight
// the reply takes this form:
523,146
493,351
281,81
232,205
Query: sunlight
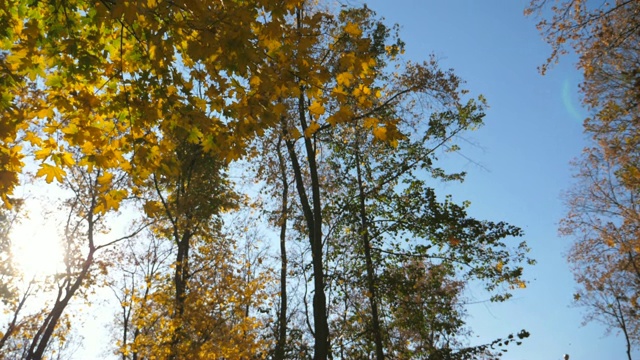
35,244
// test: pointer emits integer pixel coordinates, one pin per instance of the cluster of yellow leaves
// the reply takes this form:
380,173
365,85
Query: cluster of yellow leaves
107,80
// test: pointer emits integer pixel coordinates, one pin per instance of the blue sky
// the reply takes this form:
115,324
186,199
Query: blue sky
520,159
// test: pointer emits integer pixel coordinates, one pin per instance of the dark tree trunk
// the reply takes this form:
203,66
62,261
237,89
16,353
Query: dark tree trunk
371,276
282,320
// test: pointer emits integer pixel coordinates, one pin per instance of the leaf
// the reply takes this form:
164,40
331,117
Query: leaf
255,81
370,122
105,178
453,241
111,200
151,208
352,29
51,172
67,159
316,109
45,113
42,154
380,133
344,78
311,129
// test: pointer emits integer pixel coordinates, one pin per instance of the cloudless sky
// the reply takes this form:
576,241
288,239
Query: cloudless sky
520,160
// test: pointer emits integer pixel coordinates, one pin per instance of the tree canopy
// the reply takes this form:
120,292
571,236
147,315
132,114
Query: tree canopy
153,107
603,206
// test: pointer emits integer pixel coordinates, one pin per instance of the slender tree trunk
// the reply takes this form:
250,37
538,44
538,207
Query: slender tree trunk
180,283
13,325
313,217
44,334
371,276
623,326
181,273
282,321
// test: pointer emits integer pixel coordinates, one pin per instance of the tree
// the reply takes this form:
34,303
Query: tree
603,214
199,307
605,37
106,86
85,223
117,75
349,127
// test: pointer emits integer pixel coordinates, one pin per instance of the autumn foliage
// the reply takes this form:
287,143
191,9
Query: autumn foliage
151,108
603,206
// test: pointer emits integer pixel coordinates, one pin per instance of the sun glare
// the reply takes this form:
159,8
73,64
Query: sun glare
35,245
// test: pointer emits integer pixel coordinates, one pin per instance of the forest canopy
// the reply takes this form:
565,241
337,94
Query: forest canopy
145,113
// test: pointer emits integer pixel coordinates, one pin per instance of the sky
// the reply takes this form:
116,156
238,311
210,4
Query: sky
517,164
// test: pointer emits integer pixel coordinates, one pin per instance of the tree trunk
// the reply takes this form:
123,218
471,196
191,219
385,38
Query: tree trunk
44,334
282,321
313,218
371,276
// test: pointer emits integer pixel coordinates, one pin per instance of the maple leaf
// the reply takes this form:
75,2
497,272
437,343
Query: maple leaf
380,133
313,127
344,78
50,172
352,29
105,178
316,109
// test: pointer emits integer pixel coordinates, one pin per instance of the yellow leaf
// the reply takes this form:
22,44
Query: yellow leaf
67,159
344,78
255,81
316,109
32,138
105,178
279,109
370,122
294,133
111,200
44,113
313,127
51,172
71,129
272,44
42,154
151,208
352,29
380,133
499,266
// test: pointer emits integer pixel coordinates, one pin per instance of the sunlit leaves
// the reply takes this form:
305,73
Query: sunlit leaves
352,29
316,109
50,172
